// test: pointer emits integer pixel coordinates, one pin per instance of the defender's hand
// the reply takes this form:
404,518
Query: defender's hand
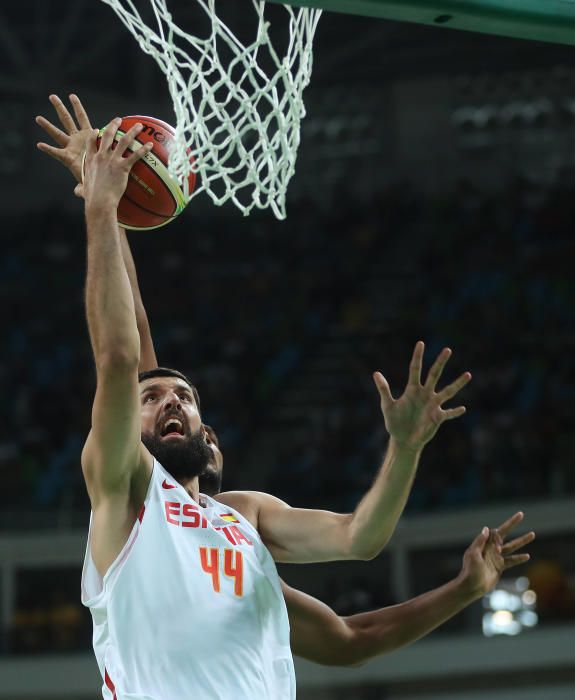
489,555
107,170
72,141
414,418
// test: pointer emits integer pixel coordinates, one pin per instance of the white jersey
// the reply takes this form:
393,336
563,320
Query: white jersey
192,608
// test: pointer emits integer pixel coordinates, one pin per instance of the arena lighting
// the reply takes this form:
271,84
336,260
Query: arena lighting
510,608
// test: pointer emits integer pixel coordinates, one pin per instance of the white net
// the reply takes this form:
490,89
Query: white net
238,105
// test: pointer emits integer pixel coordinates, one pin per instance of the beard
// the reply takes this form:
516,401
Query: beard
183,459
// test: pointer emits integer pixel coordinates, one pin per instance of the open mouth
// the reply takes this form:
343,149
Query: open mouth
173,426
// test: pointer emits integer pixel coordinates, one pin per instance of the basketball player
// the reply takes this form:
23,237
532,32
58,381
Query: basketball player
160,569
316,632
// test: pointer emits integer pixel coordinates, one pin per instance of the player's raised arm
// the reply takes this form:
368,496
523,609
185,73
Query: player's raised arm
113,450
301,535
70,142
318,634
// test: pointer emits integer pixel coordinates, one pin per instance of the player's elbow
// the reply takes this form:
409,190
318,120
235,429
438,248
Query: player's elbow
365,552
115,360
348,655
361,547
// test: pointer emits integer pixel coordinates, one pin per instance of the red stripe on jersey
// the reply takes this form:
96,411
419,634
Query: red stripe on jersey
109,684
141,513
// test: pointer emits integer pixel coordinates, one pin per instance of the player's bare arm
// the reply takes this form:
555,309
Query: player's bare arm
411,421
148,359
320,635
301,535
70,142
116,466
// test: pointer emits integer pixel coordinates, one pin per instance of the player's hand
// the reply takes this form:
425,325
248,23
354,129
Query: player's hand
106,168
72,139
414,418
489,555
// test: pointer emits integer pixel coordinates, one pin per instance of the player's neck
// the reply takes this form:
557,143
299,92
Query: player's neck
192,486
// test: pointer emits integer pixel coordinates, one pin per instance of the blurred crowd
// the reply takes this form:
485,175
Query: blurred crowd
244,305
241,305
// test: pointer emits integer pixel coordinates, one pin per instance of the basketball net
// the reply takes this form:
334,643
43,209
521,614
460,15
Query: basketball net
239,120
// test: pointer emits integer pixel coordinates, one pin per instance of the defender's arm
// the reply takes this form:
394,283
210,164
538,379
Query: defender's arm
148,359
320,635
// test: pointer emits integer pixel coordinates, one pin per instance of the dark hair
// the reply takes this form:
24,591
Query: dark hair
167,372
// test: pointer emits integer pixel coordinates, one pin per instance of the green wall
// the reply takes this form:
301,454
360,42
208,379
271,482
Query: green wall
544,20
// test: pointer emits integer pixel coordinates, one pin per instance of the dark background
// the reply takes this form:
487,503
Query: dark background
433,198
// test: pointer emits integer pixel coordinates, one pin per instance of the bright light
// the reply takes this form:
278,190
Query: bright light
522,583
509,608
502,618
528,618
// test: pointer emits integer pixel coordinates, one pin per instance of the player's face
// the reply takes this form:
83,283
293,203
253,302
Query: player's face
171,427
169,409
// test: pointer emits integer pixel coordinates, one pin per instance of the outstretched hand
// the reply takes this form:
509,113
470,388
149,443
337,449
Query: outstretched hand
413,419
72,140
108,166
489,555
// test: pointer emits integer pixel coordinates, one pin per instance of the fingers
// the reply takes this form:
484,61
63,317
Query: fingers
517,543
509,524
454,388
58,135
139,153
515,560
80,112
64,115
127,140
383,388
109,134
437,368
415,364
138,150
51,151
92,144
452,413
481,539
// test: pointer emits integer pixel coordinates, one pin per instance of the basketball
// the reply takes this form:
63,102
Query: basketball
153,197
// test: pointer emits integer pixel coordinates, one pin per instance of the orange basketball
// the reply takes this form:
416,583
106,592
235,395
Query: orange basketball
152,198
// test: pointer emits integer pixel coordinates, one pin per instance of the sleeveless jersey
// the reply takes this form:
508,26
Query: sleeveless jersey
192,608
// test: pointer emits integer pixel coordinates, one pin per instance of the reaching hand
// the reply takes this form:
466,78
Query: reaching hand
414,418
72,141
107,168
488,556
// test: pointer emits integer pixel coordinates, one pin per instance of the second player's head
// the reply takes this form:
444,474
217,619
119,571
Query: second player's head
211,477
171,424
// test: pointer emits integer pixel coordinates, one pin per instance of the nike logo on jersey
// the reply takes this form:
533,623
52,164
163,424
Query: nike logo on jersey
167,486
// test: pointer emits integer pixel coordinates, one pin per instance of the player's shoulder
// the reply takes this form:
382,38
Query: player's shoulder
248,503
228,498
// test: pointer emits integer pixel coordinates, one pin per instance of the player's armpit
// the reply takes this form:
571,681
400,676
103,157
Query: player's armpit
113,450
317,633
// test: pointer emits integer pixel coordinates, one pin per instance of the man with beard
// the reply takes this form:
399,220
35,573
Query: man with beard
183,590
317,633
